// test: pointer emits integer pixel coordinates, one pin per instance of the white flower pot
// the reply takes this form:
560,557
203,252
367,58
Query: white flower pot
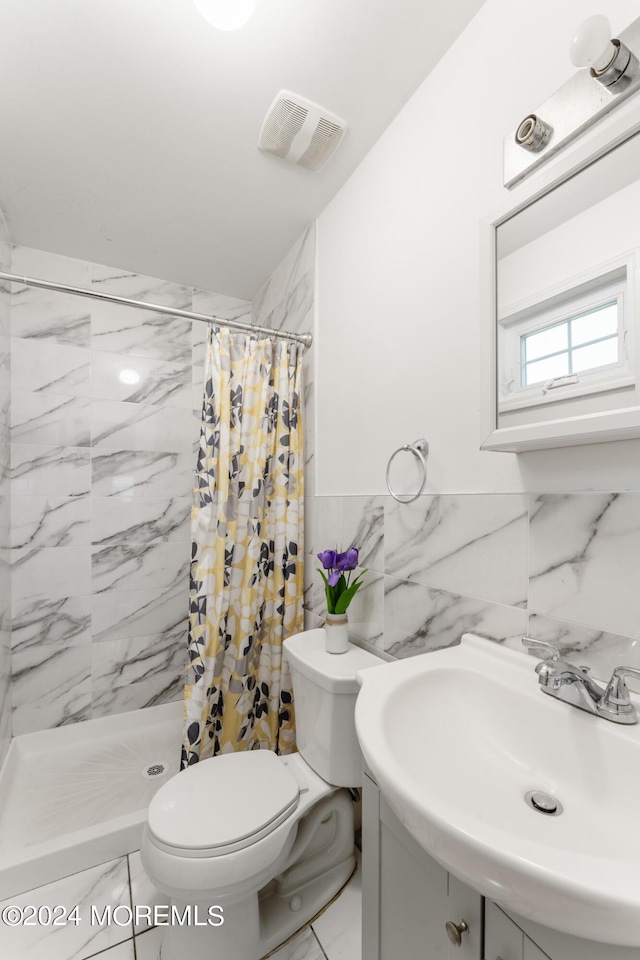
336,632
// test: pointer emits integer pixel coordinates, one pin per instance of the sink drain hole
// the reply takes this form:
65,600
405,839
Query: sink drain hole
543,802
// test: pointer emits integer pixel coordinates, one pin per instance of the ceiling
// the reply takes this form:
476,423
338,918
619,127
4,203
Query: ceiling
129,127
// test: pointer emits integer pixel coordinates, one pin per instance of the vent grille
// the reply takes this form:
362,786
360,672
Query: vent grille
300,132
324,141
282,126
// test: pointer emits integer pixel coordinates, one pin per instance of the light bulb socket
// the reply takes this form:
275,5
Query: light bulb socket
533,133
621,72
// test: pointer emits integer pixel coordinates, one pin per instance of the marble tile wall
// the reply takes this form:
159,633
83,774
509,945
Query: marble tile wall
5,504
563,568
104,421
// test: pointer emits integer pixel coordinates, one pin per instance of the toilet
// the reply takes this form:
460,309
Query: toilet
267,840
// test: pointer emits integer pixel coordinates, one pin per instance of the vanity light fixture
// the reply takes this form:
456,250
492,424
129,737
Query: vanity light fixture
609,73
610,62
226,14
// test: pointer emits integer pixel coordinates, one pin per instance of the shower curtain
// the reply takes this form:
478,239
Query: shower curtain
246,582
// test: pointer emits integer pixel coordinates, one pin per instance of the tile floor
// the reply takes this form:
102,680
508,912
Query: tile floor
335,935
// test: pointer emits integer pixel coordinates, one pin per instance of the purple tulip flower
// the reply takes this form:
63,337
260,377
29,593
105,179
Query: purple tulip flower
348,560
328,560
339,587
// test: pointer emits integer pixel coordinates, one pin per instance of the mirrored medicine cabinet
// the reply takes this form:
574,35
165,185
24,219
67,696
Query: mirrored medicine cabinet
561,271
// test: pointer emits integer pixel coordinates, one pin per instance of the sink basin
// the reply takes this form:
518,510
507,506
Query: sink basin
457,738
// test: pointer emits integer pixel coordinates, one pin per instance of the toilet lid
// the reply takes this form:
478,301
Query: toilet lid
223,802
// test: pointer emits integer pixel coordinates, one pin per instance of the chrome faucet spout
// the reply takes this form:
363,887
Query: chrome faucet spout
572,684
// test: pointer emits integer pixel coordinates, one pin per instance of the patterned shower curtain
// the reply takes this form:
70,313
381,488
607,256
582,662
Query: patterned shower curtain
246,584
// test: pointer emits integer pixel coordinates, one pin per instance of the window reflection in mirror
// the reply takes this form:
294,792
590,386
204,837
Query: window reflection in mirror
567,269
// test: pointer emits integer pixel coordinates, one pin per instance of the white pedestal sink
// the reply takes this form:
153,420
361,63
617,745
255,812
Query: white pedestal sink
457,738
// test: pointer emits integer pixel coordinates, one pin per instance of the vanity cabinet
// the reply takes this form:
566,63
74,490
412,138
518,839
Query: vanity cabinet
521,939
408,898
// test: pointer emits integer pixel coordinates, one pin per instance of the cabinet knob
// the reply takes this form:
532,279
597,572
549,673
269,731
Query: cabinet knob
456,931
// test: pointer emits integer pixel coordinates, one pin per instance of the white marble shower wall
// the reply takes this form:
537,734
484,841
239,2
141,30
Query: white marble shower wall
5,503
104,422
563,568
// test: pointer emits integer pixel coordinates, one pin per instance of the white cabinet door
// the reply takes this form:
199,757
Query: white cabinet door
417,900
503,940
562,946
413,905
531,952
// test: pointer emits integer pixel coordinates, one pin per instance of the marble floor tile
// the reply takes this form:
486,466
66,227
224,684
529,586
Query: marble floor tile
304,946
102,886
339,928
142,890
149,944
123,951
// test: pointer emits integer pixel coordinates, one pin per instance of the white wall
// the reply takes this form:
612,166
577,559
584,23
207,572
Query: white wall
398,270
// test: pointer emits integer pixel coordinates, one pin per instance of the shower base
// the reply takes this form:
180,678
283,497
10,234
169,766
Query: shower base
76,796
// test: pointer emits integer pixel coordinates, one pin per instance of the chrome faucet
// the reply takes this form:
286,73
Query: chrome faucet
573,685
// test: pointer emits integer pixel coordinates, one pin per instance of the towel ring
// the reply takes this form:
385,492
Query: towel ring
420,450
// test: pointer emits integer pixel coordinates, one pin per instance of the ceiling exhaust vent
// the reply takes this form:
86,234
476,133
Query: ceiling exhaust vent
299,131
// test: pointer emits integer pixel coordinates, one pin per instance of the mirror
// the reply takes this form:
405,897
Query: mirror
565,310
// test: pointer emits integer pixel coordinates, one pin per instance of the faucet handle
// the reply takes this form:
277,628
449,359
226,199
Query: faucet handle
541,649
616,695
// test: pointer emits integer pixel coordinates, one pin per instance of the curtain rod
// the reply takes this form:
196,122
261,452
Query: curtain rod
304,338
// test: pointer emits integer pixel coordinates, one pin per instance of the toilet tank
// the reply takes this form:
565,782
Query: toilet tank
324,691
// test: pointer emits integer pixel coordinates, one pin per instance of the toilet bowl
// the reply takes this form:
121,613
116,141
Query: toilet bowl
267,839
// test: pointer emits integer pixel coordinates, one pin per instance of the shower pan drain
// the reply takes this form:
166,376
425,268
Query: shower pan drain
154,770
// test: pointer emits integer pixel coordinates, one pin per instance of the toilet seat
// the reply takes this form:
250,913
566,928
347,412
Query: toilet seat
222,804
